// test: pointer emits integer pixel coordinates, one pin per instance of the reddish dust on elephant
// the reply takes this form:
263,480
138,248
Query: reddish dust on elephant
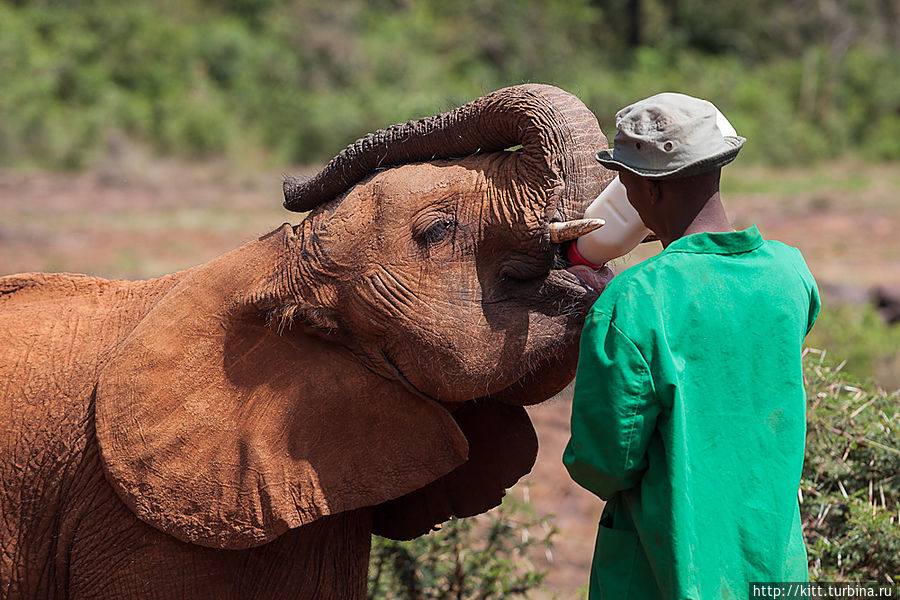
241,428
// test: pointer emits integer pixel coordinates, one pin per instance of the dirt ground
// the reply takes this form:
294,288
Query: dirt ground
138,219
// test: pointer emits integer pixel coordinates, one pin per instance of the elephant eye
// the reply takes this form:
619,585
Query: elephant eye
437,230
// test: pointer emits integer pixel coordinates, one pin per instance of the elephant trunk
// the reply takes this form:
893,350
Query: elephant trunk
558,134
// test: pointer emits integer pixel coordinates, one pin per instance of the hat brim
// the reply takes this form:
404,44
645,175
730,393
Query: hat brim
716,161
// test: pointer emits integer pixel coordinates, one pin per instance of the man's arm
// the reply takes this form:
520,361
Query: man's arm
809,282
614,411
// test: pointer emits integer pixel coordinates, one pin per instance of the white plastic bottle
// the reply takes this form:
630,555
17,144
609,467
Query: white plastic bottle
623,231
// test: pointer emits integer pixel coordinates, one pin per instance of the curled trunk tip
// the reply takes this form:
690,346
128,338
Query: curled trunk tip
558,134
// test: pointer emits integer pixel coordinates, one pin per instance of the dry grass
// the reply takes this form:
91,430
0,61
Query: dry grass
143,223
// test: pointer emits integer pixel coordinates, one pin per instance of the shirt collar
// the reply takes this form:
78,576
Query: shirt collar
730,242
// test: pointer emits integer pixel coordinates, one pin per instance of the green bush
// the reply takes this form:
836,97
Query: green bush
480,558
851,479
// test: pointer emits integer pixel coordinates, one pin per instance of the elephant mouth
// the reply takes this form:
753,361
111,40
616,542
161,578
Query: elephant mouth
576,286
593,279
565,233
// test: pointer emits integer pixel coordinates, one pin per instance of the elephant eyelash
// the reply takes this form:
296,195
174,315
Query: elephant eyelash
438,230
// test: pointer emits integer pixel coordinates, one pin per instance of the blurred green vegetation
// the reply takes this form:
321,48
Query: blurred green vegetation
296,80
858,337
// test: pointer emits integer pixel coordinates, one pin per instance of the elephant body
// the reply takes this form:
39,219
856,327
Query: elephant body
59,510
242,428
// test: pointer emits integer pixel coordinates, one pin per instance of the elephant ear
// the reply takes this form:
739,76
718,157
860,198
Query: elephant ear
502,448
220,432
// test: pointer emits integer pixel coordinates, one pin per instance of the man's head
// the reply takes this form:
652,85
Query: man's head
660,202
669,151
669,136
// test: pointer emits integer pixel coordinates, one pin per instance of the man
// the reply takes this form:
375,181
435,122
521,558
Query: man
689,412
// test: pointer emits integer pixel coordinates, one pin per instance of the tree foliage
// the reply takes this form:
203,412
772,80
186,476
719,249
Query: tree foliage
299,79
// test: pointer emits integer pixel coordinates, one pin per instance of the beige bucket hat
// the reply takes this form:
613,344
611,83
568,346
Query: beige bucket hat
668,136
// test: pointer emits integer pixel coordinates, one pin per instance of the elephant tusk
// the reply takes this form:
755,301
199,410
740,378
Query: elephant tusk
566,231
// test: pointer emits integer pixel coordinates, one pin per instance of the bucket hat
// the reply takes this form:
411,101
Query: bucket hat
668,136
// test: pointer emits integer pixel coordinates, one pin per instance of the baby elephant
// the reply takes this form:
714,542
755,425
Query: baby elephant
240,429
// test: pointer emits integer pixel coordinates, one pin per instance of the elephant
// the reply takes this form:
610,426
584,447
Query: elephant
241,428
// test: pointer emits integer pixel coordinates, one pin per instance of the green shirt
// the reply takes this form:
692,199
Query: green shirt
689,416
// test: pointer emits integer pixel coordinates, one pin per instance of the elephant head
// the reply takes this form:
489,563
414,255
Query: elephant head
379,352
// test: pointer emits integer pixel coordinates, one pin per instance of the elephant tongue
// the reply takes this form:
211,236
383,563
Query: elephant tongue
594,278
